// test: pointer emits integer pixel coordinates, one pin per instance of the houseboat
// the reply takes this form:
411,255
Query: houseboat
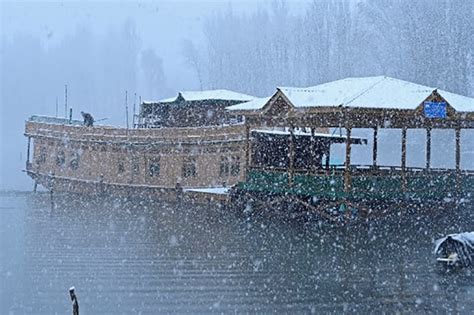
274,152
187,142
348,191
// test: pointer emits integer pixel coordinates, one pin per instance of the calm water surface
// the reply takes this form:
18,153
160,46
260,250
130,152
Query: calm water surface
132,258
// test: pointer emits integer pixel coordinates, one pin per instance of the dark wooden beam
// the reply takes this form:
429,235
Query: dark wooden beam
311,148
374,148
458,158
291,156
347,166
428,147
247,150
28,152
404,158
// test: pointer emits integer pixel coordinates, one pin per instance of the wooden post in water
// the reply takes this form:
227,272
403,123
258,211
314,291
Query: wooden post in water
428,148
291,157
404,158
458,159
347,166
75,303
374,148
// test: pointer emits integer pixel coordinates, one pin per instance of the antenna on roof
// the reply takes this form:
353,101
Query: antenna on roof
134,108
126,107
56,107
65,101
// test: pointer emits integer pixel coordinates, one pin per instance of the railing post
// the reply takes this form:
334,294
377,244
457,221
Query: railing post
28,152
347,168
247,150
458,159
311,154
291,157
428,148
374,148
404,158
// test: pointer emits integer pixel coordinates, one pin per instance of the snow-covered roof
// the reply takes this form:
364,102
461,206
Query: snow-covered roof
257,103
365,92
208,95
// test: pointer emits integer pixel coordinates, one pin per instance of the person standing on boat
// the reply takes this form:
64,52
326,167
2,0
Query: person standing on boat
75,304
88,119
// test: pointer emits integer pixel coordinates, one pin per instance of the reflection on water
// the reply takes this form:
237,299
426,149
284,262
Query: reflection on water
127,257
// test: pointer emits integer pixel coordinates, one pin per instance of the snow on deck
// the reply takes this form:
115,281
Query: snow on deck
55,120
299,132
365,92
208,95
210,190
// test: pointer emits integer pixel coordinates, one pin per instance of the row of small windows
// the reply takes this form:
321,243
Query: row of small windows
60,158
229,165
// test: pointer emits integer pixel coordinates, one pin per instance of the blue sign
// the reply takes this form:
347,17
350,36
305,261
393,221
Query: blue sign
435,109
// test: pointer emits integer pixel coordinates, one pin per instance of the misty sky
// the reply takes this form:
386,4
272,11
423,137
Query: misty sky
160,25
44,47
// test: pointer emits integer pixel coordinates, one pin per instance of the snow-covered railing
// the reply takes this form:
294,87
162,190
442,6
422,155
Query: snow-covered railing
117,134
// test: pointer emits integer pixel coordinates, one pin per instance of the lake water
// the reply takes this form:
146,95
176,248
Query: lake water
132,258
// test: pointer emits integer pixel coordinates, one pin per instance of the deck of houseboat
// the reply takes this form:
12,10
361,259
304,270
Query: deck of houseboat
367,182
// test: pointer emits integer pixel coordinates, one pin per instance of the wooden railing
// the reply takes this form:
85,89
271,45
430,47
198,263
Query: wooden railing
117,134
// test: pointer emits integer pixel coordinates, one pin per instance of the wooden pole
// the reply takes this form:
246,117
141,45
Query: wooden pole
374,148
311,148
75,303
134,109
291,157
126,108
347,168
458,158
428,147
247,150
328,160
404,158
65,101
28,152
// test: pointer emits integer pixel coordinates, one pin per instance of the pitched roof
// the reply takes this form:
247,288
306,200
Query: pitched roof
208,95
365,92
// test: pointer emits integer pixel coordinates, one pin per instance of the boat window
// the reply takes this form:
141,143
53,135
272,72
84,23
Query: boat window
189,167
235,166
60,158
154,167
120,167
135,168
74,161
230,165
225,166
42,156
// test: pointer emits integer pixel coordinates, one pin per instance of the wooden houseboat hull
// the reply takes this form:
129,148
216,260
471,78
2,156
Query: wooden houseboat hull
151,163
